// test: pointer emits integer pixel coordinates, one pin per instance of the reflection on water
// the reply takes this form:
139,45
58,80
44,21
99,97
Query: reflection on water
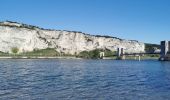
84,79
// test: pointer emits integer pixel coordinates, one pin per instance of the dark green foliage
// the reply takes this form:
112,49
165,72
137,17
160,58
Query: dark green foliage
42,52
14,50
3,54
95,54
109,53
84,54
49,52
150,47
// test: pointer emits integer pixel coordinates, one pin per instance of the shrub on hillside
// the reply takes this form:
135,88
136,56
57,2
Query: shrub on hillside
95,54
14,50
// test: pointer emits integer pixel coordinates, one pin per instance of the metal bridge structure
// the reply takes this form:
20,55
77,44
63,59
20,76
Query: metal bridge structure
164,53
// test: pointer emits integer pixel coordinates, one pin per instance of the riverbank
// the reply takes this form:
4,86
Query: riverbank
72,57
25,57
133,58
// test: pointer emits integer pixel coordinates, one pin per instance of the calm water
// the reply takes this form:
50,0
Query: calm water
84,79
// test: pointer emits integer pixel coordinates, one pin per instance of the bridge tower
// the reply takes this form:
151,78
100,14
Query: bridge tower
165,47
102,55
120,53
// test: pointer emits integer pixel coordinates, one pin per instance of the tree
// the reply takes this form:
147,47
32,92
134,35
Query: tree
14,50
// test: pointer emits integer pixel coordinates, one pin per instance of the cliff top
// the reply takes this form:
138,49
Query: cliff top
21,25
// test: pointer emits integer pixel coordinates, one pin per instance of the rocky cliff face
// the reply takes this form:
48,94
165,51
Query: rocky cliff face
27,38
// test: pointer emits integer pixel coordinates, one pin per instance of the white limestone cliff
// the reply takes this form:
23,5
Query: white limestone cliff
27,38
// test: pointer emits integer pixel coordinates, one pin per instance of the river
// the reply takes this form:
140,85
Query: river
76,79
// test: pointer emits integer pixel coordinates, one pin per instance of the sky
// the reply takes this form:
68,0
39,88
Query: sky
143,20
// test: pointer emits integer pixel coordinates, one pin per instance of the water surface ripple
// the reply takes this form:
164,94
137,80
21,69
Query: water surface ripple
51,79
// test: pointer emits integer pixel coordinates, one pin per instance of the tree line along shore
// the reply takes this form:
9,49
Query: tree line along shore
93,54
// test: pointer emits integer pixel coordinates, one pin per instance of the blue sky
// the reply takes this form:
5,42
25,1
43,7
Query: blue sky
143,20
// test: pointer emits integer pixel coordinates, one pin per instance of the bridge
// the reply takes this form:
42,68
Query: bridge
164,53
122,55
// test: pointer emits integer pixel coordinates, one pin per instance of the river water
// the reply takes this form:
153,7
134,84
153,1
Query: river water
57,79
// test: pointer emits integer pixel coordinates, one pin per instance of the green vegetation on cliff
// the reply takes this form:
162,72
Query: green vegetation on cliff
95,54
150,47
49,52
3,54
43,52
14,50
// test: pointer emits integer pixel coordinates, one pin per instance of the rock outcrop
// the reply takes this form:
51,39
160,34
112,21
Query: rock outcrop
28,38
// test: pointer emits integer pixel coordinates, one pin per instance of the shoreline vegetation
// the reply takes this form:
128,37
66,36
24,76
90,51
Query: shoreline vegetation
51,53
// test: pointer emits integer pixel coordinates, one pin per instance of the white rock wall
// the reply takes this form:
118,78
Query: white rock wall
11,35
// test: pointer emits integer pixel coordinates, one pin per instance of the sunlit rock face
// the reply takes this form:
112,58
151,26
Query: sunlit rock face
28,38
